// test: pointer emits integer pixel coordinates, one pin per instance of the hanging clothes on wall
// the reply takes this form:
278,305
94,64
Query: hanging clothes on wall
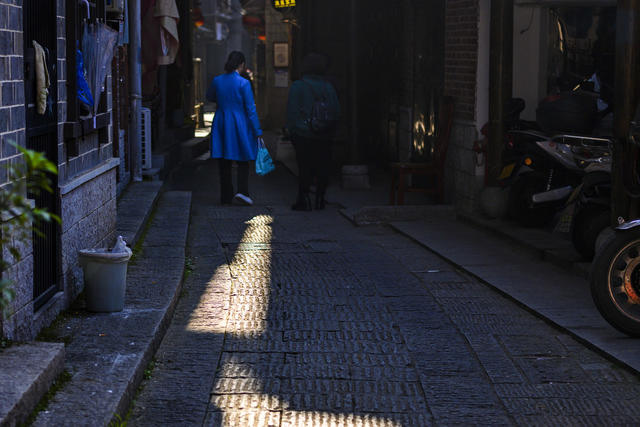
42,78
167,14
160,40
149,30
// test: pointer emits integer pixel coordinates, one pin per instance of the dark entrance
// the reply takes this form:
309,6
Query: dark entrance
41,135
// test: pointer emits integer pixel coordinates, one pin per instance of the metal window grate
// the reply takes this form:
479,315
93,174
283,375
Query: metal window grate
45,245
40,24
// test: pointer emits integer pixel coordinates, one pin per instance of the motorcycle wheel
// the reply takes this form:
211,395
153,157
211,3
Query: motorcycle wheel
615,282
520,206
587,225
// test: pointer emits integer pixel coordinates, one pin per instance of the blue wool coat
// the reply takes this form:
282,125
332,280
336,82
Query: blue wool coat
235,126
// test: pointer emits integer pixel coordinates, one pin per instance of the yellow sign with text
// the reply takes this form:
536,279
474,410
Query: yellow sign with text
279,4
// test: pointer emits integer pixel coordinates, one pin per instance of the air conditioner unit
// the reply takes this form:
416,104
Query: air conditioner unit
145,137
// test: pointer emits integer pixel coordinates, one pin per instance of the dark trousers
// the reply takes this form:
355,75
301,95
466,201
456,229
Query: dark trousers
226,180
314,159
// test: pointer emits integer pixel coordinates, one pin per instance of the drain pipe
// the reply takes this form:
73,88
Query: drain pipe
135,137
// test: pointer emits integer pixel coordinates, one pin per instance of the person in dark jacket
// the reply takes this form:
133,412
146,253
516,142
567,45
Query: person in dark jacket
313,148
236,129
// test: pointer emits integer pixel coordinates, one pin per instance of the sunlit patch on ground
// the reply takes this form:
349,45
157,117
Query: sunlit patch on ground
258,231
240,397
257,418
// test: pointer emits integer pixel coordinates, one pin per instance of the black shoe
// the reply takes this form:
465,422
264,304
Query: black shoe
303,204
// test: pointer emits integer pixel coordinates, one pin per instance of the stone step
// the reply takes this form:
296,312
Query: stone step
194,148
39,364
134,207
152,174
107,353
542,244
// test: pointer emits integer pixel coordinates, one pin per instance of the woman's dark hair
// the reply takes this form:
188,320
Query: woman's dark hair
233,61
314,63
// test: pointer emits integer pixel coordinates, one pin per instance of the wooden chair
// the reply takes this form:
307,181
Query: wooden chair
433,168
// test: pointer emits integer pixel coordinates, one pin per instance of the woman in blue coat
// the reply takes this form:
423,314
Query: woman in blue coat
235,129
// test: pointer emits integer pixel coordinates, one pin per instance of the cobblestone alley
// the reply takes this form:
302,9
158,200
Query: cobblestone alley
296,319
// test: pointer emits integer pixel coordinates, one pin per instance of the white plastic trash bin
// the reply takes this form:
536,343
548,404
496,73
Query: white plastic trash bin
105,276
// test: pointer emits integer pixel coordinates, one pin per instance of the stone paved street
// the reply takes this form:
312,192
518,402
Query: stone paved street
295,319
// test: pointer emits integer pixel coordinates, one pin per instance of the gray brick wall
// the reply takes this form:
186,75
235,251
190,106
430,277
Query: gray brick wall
88,212
12,131
93,148
463,184
461,60
12,122
461,55
88,221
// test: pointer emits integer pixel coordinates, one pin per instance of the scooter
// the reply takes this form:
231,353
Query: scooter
615,271
591,206
615,279
543,172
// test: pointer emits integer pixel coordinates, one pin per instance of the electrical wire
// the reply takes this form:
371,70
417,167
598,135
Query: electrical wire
529,25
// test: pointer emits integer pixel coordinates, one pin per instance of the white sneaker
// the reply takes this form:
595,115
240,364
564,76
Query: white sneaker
242,199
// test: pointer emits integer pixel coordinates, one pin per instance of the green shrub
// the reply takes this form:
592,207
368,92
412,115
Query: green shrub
19,219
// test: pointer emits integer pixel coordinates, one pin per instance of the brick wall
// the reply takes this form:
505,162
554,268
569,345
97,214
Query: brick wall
89,221
461,54
88,211
12,120
12,130
463,181
87,197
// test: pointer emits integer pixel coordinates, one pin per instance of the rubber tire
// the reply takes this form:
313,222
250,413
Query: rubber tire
587,225
599,283
525,186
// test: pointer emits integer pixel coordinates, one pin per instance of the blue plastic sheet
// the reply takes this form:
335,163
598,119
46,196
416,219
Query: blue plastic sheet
84,93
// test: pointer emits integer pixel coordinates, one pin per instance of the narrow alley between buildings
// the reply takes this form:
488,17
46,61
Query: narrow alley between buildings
292,319
477,262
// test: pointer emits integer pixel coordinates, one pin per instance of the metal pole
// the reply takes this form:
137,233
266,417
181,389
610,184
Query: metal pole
625,155
135,138
500,81
354,151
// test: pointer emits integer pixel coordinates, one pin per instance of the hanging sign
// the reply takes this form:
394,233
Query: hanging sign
281,4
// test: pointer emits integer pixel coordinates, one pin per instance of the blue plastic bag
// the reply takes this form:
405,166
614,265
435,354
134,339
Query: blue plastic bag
84,93
264,164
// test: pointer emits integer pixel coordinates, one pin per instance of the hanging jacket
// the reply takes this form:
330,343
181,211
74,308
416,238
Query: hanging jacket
235,129
42,78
